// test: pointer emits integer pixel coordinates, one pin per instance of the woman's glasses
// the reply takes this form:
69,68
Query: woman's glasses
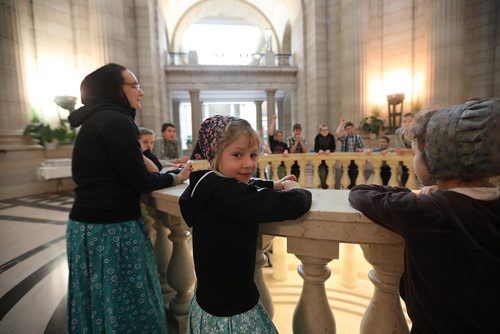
136,85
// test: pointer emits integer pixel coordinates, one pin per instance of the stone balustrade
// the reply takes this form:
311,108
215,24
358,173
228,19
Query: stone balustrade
367,163
314,239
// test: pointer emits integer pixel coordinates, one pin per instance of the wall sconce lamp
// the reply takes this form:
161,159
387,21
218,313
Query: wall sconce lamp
393,101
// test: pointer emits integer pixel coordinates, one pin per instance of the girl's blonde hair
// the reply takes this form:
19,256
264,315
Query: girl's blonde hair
233,130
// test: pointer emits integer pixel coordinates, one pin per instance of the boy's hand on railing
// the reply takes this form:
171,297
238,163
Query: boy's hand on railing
280,184
287,185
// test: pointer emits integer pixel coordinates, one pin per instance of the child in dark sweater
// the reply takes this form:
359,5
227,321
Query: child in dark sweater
224,206
451,227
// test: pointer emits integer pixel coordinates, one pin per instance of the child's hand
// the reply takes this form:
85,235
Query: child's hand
289,184
183,159
279,185
427,190
185,172
285,153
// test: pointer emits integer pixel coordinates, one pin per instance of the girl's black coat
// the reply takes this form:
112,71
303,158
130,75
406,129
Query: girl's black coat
225,216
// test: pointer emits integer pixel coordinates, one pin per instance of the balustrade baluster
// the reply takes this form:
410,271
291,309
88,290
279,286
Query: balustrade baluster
395,169
264,243
362,165
302,179
275,165
163,250
377,164
316,182
313,313
384,313
180,274
345,180
330,179
412,179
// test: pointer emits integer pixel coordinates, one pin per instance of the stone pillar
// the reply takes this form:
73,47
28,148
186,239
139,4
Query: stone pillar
236,110
14,113
258,116
447,43
108,32
271,104
176,119
195,113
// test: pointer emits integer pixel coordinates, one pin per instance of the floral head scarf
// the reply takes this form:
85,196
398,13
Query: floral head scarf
210,134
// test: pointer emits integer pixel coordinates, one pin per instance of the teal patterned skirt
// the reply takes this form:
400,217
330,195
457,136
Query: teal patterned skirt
113,280
254,321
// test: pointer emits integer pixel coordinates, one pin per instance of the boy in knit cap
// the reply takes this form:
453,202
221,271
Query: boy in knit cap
451,228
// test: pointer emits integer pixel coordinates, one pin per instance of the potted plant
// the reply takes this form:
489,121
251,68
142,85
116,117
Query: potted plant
372,124
45,134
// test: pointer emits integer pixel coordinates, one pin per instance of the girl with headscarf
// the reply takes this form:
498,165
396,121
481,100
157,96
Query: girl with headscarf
224,207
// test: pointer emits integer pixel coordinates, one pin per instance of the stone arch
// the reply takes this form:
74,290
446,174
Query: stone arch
215,8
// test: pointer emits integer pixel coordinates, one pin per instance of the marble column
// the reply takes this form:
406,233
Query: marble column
258,115
13,105
195,113
447,44
176,119
108,32
236,110
281,113
271,104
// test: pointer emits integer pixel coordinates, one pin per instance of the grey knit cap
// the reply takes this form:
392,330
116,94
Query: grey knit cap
463,141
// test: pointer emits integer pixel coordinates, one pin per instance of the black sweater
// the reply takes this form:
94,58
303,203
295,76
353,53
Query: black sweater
452,255
108,167
225,216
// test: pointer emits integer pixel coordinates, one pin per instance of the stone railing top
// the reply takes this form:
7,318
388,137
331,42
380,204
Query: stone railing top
331,218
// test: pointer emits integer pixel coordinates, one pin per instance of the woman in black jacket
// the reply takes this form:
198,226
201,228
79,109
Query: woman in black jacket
113,277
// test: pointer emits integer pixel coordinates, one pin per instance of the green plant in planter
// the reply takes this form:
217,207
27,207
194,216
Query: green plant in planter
44,133
372,124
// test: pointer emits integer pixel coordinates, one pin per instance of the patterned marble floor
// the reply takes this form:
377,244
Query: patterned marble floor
33,268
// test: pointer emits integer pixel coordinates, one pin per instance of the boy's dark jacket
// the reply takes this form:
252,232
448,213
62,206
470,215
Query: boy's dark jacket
451,282
107,165
225,216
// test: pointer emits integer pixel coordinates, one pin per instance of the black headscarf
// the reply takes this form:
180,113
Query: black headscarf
104,85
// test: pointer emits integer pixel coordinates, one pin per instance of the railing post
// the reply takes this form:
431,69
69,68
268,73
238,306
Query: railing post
345,180
264,243
395,166
180,274
163,250
362,164
384,313
313,313
377,164
412,179
274,165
